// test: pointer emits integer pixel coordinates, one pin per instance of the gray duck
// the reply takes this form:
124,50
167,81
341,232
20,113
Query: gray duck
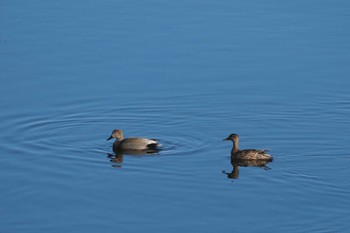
132,144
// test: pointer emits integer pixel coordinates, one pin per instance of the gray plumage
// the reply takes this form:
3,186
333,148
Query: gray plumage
139,144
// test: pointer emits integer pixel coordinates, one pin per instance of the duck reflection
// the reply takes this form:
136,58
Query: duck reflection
118,157
234,174
235,171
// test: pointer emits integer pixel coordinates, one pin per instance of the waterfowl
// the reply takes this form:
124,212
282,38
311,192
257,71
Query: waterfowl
132,144
247,154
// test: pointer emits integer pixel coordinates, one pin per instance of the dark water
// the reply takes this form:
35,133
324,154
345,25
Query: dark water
187,73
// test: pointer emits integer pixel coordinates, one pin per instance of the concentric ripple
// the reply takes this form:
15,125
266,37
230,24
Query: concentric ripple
75,135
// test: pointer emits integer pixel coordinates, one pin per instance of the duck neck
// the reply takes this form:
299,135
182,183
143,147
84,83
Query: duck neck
117,143
235,146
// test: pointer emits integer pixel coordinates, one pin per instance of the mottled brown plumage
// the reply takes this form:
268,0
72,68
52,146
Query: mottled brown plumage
247,154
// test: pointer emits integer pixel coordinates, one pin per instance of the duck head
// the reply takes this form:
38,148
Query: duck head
117,134
232,137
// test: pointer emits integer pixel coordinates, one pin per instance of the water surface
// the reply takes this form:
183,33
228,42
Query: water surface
189,74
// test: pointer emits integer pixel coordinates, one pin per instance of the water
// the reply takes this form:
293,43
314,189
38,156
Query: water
189,74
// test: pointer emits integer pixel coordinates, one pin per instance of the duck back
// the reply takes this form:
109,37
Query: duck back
251,154
135,144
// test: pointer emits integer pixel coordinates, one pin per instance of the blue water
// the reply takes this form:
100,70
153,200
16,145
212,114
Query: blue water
189,74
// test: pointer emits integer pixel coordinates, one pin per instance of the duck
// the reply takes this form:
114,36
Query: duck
132,144
247,154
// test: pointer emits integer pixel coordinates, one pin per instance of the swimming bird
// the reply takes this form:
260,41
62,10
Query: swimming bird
132,144
247,154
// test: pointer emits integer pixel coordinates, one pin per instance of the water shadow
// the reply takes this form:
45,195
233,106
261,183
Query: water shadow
117,158
234,174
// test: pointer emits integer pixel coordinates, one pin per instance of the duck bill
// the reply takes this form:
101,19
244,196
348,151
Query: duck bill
226,139
110,138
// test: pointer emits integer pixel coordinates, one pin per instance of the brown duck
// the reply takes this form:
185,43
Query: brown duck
247,154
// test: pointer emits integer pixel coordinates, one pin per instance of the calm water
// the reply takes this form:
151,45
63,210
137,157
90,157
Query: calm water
187,73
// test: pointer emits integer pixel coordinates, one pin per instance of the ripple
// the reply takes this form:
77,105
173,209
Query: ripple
73,135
